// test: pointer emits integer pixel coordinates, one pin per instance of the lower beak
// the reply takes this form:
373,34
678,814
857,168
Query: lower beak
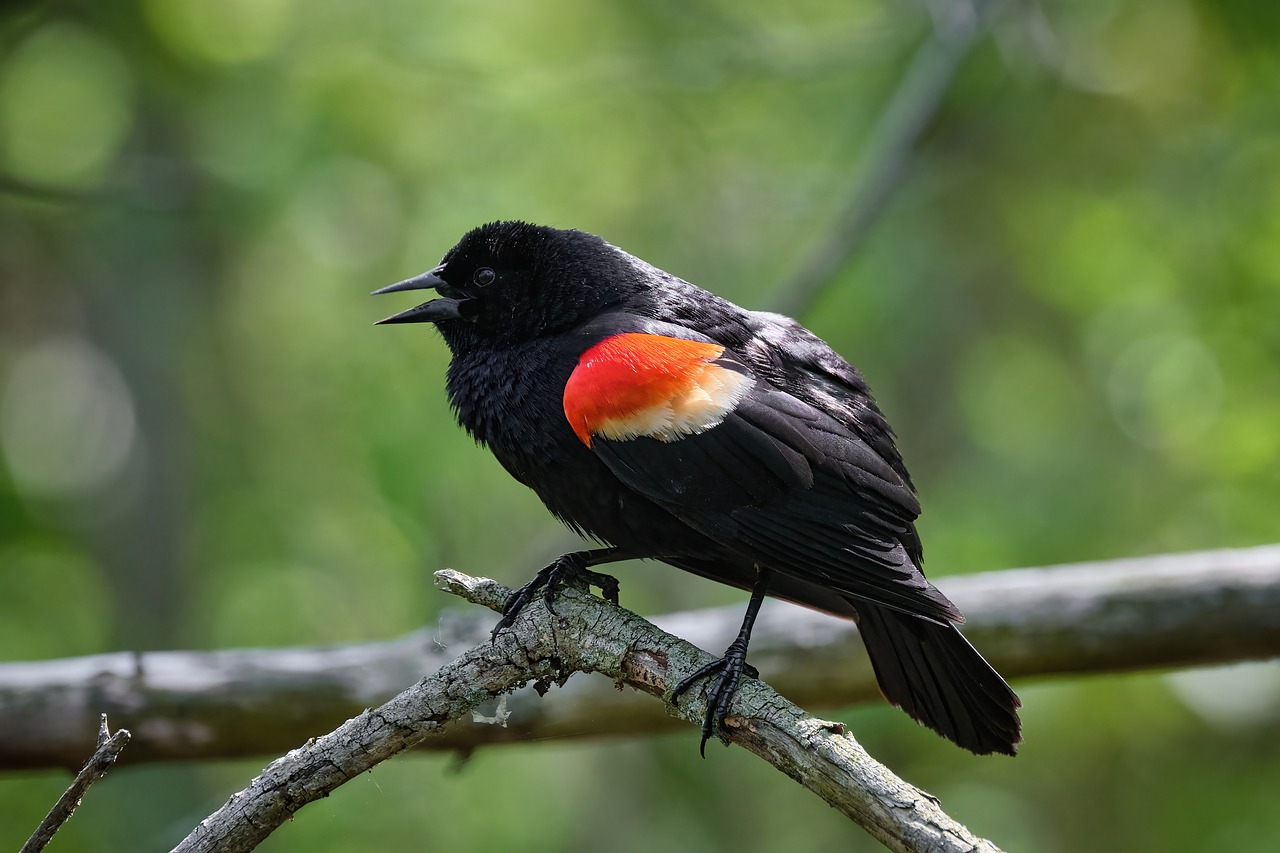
428,312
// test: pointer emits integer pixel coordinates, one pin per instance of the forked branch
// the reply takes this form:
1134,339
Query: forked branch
585,635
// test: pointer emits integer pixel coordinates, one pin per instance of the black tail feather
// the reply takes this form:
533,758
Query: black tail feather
933,673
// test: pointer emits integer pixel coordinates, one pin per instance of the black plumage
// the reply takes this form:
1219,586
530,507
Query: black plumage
730,443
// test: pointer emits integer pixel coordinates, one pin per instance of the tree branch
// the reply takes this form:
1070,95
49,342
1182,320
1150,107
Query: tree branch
108,750
1154,612
585,634
891,142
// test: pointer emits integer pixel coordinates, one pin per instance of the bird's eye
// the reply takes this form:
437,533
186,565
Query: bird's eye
484,277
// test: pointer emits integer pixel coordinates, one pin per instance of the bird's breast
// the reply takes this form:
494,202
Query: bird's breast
513,402
508,400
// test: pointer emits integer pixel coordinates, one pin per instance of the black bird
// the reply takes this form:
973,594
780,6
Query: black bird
671,424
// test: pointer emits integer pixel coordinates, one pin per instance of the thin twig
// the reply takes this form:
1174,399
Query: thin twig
109,747
11,185
911,107
585,634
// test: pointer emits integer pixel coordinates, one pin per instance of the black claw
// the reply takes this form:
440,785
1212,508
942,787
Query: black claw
608,585
549,582
511,609
731,668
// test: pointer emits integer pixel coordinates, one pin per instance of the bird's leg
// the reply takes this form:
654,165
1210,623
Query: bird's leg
573,566
731,667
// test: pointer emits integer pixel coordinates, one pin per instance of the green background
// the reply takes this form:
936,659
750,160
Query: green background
1070,311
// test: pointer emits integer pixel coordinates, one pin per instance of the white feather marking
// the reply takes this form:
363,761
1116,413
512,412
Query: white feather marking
712,394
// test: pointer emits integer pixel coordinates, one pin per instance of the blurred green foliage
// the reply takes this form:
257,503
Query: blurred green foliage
1070,311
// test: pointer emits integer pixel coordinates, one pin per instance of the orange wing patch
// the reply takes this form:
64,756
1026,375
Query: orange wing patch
633,385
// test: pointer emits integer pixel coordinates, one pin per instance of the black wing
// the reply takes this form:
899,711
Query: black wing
787,486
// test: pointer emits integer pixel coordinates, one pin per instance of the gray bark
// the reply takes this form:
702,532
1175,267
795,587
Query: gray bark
585,634
109,748
1154,612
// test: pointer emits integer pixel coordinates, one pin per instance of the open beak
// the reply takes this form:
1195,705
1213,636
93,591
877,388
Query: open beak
443,308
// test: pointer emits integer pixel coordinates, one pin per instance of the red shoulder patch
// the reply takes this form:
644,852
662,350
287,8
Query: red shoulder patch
635,384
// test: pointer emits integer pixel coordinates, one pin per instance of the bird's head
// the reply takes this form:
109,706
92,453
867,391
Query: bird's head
509,282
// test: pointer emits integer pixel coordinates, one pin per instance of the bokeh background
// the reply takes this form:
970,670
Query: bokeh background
1070,310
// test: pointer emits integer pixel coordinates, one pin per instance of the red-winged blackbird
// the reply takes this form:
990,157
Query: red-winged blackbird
654,416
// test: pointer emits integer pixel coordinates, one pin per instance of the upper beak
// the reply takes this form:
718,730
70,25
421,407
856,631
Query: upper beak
427,312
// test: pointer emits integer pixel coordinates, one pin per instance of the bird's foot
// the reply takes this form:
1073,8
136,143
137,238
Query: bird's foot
563,570
730,669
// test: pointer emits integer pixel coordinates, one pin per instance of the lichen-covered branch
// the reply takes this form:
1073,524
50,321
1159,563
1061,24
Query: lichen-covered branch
584,635
1154,612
